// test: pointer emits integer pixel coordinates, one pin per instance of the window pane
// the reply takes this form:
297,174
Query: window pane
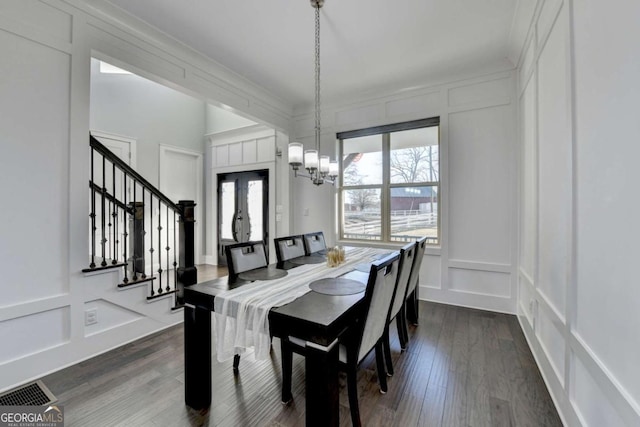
361,210
255,208
414,156
362,160
414,213
227,210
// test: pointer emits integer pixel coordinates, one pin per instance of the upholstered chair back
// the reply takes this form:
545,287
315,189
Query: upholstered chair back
314,242
417,263
378,295
405,264
289,247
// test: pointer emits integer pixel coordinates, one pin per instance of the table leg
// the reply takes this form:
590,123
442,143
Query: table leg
197,357
321,365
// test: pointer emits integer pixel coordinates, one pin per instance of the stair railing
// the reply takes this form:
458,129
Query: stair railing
125,207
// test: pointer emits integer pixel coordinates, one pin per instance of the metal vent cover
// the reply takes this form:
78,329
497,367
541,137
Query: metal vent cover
33,394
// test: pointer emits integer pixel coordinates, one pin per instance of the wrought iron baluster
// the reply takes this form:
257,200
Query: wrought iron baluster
114,215
104,191
109,225
150,237
159,247
93,215
144,233
125,230
168,288
134,264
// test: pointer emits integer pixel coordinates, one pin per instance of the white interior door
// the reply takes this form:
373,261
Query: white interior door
181,179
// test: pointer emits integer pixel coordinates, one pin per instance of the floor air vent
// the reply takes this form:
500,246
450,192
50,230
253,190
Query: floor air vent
34,394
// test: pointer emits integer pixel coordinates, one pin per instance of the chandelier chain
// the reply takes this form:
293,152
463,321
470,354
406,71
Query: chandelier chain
317,79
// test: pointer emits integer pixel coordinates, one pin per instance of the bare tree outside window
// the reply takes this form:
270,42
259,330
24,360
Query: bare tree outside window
360,199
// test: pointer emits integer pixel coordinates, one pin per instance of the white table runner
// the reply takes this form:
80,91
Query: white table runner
240,318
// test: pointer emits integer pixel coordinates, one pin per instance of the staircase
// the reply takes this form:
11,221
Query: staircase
136,228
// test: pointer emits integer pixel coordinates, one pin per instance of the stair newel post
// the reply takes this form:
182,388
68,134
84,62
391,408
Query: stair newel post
175,263
187,272
159,247
93,216
136,241
103,212
125,230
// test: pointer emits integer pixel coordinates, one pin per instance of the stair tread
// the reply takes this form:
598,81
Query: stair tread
132,282
99,267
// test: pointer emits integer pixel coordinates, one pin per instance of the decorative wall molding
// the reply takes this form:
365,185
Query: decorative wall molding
535,306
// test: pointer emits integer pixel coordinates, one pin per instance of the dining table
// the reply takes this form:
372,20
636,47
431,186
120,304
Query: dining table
318,318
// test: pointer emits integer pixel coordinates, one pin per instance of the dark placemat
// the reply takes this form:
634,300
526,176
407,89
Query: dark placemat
337,286
308,260
265,273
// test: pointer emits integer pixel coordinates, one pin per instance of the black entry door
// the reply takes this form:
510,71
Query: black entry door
243,213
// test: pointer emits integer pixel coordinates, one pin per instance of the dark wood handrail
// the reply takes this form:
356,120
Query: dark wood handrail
97,146
110,197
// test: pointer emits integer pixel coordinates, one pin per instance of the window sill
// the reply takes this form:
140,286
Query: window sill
429,250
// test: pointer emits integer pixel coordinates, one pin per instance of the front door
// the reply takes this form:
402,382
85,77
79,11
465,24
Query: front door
242,209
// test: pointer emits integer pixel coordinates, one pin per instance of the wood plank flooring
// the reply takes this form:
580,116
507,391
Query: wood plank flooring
463,367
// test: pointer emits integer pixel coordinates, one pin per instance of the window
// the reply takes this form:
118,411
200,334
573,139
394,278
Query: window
390,183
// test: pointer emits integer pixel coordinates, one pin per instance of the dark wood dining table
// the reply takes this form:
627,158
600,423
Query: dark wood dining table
317,318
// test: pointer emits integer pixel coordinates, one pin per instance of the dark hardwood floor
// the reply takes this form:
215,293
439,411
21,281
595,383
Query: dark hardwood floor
463,367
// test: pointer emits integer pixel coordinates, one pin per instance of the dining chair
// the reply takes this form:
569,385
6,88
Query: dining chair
289,247
413,288
405,264
243,257
360,339
314,243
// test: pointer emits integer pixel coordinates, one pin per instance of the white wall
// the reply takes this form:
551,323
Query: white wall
45,76
153,114
475,263
221,120
578,303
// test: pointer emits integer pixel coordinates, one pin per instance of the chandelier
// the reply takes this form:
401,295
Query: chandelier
320,169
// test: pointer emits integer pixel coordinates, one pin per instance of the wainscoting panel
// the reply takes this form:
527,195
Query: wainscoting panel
585,391
480,190
109,316
480,282
34,333
411,106
488,92
36,89
41,18
550,334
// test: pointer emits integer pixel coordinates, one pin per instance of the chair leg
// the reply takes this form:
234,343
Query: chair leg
412,307
382,378
387,351
236,362
352,386
287,366
401,323
416,299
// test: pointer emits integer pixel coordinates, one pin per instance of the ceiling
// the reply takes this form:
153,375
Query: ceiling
367,47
